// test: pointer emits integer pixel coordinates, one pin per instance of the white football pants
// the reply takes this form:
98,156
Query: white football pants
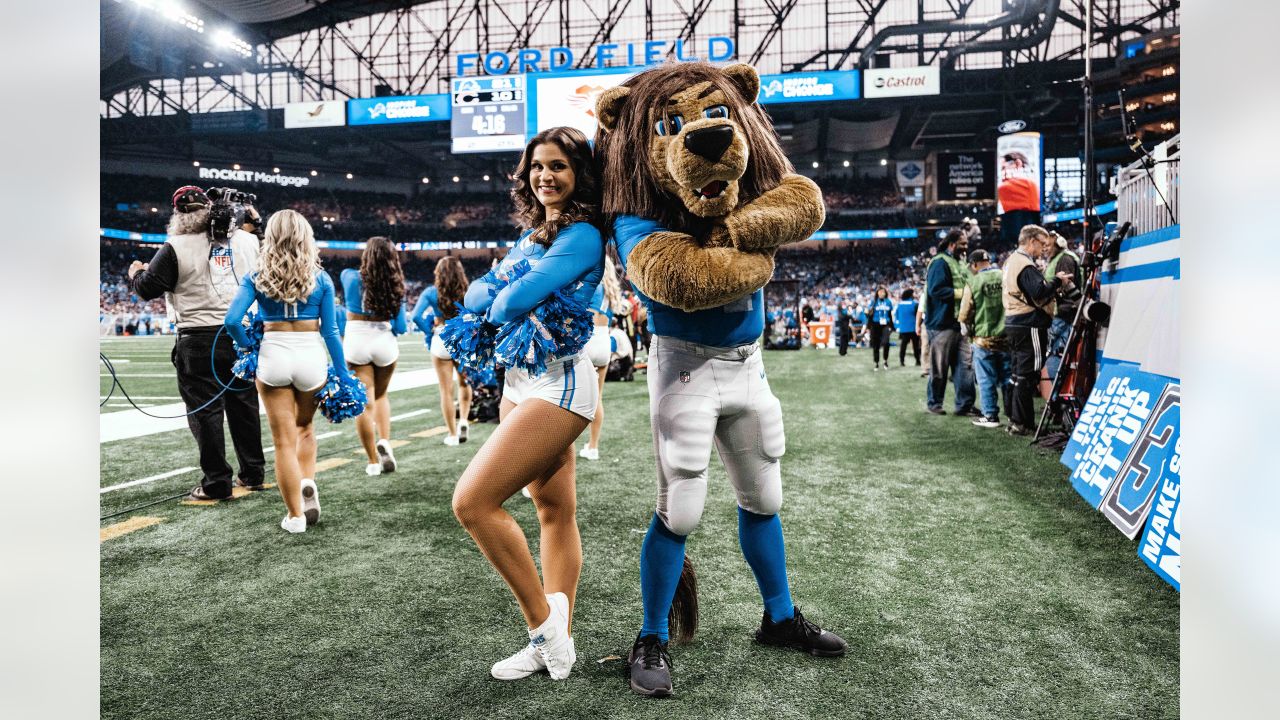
699,393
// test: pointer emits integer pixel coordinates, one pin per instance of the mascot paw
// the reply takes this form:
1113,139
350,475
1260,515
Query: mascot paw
789,213
677,270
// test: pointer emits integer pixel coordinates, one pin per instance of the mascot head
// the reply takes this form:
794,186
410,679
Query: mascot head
686,139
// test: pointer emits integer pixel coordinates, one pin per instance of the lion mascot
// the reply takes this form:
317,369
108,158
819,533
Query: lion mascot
698,195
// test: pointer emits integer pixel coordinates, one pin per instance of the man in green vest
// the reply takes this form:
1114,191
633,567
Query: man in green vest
1068,297
982,314
949,351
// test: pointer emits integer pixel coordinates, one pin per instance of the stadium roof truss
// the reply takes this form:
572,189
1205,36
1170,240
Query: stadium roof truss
170,58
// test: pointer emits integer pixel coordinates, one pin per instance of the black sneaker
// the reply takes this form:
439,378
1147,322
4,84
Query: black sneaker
937,411
800,634
649,667
1016,429
969,412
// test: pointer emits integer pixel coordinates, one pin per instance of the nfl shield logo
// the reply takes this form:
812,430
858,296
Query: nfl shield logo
684,376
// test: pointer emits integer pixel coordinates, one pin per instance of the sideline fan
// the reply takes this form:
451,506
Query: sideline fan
295,303
607,301
439,303
556,195
880,320
374,299
198,275
906,318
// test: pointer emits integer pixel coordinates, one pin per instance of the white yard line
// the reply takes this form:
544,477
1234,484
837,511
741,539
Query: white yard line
146,480
131,423
321,436
105,374
144,397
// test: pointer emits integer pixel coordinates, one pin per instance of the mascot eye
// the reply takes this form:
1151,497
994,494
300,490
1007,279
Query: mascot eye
716,111
670,127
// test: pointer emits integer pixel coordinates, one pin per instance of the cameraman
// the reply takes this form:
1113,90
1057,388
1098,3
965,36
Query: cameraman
1063,260
199,269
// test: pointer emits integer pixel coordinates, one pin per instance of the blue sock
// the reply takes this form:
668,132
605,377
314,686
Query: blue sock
762,546
661,561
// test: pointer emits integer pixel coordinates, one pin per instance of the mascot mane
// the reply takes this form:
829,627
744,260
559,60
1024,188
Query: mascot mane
627,142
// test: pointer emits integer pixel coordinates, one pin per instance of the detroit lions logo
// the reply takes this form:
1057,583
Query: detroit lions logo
684,376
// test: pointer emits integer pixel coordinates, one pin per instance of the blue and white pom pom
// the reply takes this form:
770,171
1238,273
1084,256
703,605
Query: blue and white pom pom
341,396
469,340
559,327
568,320
477,378
246,365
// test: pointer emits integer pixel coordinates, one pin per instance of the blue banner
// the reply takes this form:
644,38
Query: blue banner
1161,546
398,109
1122,445
894,233
810,87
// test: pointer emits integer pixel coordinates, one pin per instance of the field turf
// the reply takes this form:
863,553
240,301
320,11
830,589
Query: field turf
969,579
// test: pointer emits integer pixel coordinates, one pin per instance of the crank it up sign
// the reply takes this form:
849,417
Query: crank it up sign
1124,447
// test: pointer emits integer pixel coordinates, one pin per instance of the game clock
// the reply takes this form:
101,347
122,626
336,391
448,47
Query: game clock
488,114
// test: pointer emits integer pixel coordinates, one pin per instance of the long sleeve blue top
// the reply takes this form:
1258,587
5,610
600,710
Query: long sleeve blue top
353,297
730,325
600,304
318,305
426,310
575,261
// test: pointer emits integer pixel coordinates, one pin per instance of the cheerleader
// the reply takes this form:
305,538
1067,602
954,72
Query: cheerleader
374,299
556,194
439,303
295,303
606,301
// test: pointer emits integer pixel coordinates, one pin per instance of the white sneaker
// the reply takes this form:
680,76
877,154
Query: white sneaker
310,501
451,440
387,457
294,524
521,665
552,640
525,492
462,432
372,469
590,453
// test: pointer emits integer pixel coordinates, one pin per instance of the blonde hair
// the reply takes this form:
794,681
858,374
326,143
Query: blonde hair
289,261
613,289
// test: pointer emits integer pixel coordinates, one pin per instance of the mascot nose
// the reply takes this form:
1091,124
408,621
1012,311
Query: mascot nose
710,142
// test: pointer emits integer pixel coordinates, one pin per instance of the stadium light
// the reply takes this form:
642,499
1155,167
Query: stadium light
846,163
815,163
486,178
226,38
195,163
455,178
349,176
275,170
155,210
426,181
883,162
314,173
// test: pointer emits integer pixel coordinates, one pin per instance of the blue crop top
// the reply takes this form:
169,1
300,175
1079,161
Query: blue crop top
318,305
575,260
427,308
353,298
600,305
737,323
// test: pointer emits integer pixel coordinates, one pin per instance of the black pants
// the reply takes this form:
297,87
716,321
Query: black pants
903,339
1027,347
880,335
843,341
197,386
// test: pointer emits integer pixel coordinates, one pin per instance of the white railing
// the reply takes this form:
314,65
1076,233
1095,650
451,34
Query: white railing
1147,190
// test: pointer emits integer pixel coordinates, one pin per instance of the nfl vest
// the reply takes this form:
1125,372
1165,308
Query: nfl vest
988,309
209,275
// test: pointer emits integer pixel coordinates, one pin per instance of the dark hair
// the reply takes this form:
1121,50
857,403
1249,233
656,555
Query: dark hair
451,285
585,203
382,277
908,293
627,163
954,236
877,294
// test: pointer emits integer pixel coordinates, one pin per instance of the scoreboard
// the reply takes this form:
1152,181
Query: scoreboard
488,113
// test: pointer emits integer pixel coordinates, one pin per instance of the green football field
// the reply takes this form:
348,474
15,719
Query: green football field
968,577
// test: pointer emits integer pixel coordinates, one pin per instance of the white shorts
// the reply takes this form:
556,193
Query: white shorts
600,346
370,342
569,383
437,346
293,358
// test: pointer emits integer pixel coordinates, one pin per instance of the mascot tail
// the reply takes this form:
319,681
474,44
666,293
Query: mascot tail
683,619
